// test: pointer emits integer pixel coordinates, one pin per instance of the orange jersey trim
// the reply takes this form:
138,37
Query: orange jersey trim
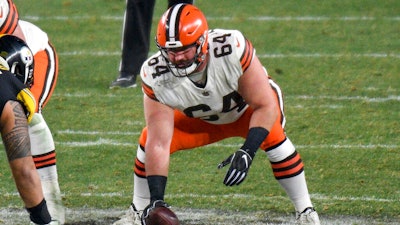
247,56
148,91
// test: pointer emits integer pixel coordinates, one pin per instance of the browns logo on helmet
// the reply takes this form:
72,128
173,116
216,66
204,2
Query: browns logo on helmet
183,26
8,17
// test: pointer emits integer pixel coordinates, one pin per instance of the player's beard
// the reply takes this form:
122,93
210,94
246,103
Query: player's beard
184,68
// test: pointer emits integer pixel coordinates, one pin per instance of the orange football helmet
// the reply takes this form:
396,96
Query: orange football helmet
183,25
8,17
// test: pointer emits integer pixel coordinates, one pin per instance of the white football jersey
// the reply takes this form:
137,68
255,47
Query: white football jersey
35,38
219,102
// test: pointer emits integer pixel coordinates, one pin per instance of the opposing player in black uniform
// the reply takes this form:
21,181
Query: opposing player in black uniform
17,106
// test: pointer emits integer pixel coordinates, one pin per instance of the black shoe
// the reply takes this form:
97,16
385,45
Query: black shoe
124,82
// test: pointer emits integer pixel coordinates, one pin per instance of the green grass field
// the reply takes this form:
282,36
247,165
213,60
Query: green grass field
338,63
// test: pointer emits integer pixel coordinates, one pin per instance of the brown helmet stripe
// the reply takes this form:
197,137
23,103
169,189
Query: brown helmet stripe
172,31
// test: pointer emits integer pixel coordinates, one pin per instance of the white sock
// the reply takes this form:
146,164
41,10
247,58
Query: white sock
296,189
42,146
52,194
141,192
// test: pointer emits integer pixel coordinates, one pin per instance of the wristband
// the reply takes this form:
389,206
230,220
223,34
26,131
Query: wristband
254,139
157,186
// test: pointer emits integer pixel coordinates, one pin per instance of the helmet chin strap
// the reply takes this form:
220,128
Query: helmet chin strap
187,71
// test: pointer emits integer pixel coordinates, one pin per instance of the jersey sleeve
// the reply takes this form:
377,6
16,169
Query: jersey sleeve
35,37
12,89
243,49
147,90
145,75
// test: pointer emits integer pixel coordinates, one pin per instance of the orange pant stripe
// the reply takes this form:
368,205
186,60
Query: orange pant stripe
45,160
45,76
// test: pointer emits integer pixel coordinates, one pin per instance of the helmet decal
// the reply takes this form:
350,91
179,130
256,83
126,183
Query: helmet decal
26,56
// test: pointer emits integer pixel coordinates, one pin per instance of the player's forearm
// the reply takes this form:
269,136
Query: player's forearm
264,117
27,181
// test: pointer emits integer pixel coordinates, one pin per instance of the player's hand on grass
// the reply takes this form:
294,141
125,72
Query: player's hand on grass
240,164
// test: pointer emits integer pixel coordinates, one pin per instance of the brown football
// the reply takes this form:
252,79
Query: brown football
162,216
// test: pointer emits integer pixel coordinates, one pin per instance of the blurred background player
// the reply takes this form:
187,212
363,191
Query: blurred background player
45,74
17,107
203,86
135,43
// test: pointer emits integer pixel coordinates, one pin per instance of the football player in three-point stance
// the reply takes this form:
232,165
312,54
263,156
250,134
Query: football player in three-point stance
17,107
45,77
201,87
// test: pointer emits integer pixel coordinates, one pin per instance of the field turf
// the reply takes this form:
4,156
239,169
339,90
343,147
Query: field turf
338,63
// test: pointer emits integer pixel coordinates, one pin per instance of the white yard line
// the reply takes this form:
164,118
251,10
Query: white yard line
300,97
189,216
227,18
112,142
260,55
315,196
260,18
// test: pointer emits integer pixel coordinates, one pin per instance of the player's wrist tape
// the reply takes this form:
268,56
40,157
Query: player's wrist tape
157,186
254,139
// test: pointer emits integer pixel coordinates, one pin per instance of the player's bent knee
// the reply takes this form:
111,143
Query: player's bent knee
281,152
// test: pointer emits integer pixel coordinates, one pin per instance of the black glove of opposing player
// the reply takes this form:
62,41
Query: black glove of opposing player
151,206
240,164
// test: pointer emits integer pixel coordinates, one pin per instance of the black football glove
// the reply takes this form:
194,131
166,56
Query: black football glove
240,164
151,206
